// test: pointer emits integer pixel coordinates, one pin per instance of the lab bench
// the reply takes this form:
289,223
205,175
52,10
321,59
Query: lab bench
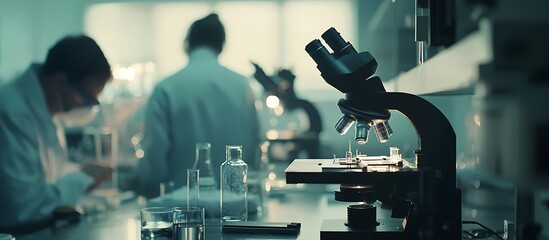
309,205
306,206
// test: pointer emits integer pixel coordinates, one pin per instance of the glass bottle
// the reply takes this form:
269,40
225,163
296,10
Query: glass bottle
234,186
203,163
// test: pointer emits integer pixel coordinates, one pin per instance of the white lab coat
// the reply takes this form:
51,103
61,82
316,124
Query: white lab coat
34,175
204,102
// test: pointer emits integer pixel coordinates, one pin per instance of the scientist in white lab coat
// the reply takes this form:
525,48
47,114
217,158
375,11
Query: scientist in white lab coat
203,102
35,178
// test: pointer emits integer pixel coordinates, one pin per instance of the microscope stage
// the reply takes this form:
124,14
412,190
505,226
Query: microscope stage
328,172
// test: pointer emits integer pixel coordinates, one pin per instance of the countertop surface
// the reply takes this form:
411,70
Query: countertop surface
308,205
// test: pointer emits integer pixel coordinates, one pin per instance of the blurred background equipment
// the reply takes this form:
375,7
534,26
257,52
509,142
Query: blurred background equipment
512,95
280,99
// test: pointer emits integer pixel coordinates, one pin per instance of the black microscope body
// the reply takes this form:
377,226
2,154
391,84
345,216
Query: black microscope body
425,201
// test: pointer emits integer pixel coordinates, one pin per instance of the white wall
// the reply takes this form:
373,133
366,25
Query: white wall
28,28
16,44
269,32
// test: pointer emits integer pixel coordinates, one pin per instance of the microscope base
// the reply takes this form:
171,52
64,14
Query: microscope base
388,229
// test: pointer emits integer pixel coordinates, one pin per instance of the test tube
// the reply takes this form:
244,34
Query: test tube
193,187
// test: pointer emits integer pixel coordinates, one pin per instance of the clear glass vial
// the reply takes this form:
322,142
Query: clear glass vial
234,186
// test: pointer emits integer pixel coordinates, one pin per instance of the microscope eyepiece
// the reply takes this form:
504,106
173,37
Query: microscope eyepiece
313,46
337,43
344,123
319,53
361,132
334,40
383,131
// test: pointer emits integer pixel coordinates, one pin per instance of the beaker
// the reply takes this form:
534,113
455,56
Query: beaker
156,223
189,223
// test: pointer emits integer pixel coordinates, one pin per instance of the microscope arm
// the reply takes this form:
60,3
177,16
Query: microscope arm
439,200
437,139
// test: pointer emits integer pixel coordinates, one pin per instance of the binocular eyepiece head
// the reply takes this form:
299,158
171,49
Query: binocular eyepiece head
320,54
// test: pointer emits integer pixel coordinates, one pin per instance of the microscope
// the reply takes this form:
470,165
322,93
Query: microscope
281,85
422,193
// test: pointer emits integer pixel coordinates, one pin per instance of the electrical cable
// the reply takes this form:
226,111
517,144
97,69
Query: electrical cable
492,232
477,234
471,236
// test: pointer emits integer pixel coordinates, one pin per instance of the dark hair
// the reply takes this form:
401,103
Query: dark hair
208,31
78,57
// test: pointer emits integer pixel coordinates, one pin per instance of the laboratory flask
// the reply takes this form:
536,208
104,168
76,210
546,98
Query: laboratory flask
203,163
